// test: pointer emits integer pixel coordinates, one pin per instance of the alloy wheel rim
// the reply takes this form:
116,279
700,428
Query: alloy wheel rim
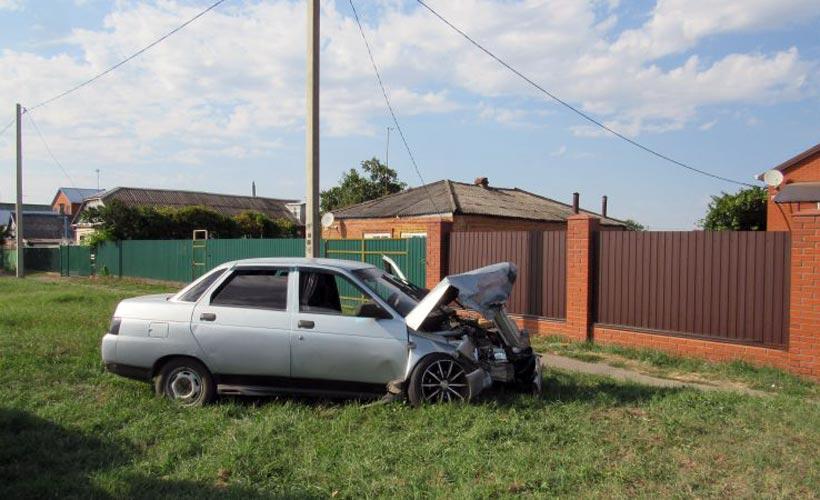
185,385
444,381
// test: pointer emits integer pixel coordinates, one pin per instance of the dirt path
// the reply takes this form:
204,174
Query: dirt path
626,375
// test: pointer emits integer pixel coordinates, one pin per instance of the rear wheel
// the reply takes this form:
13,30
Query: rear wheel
438,378
186,381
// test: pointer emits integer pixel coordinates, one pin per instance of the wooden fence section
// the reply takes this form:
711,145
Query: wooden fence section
540,289
730,286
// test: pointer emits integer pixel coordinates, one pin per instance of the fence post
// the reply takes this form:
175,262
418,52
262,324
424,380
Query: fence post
804,303
581,229
437,255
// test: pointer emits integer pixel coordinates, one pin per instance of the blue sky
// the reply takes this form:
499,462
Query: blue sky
730,88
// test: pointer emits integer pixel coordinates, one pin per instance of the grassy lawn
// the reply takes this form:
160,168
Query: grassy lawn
69,428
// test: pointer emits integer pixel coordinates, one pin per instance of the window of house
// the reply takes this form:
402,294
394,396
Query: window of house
254,288
413,234
324,292
377,236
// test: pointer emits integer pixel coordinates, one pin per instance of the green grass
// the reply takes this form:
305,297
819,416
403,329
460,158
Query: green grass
68,428
662,364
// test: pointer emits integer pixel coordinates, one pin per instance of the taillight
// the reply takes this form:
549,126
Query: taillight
114,327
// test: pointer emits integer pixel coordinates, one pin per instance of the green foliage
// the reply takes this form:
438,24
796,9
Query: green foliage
378,180
254,224
741,211
633,225
115,221
70,429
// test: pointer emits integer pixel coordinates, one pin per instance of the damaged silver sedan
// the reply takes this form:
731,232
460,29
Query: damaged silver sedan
322,326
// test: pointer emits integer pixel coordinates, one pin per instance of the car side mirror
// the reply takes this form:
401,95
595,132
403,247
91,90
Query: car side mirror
372,310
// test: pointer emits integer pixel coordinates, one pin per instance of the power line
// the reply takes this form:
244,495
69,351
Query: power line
129,58
50,153
573,108
390,108
8,126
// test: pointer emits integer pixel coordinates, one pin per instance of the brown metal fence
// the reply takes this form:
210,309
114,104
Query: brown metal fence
540,289
731,286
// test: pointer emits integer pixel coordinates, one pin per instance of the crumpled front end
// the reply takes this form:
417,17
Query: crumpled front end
493,347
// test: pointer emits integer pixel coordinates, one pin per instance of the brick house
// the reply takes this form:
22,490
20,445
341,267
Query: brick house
435,210
799,192
68,200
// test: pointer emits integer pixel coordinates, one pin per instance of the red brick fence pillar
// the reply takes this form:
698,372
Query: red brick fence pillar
804,310
580,233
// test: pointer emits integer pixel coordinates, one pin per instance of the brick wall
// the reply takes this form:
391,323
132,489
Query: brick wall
804,313
801,356
779,216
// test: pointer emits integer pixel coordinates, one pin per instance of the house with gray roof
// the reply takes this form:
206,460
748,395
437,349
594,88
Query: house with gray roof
225,204
476,206
41,229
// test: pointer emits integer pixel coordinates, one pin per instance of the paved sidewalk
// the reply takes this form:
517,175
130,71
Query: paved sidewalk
626,375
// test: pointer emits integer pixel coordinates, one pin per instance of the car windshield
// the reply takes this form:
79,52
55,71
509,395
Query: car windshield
390,289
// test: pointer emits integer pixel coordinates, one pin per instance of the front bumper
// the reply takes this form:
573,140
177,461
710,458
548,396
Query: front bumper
478,380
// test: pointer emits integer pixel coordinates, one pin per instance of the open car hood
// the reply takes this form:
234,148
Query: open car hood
484,290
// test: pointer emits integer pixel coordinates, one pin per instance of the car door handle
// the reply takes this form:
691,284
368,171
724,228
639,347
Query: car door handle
207,317
303,323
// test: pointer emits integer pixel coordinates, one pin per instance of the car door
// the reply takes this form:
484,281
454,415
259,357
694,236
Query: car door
244,324
330,342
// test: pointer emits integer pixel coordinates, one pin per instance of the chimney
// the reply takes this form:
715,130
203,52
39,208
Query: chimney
575,201
481,181
603,206
253,189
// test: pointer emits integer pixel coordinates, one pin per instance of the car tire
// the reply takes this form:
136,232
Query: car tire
438,378
185,381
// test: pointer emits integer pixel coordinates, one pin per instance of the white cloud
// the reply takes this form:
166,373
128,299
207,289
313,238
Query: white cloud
676,25
560,152
232,82
11,4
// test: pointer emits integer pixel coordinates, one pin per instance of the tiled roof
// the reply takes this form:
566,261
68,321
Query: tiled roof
450,197
43,226
227,204
6,209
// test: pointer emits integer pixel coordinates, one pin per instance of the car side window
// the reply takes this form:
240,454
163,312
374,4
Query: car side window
254,288
199,288
329,293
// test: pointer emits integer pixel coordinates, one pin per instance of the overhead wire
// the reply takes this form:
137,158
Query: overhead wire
391,110
572,108
48,149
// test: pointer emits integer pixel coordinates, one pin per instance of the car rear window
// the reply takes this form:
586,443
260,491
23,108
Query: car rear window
257,288
199,288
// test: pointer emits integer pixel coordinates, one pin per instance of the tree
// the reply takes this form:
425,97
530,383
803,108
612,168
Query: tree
633,225
741,211
376,181
254,224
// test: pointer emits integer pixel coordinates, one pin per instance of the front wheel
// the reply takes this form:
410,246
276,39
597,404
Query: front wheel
186,381
438,378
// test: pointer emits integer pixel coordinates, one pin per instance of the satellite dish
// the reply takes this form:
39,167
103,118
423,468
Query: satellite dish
773,178
327,219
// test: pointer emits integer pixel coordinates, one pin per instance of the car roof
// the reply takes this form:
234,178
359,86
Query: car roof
348,265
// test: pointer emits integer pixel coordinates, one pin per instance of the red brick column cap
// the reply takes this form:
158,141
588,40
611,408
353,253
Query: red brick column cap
583,216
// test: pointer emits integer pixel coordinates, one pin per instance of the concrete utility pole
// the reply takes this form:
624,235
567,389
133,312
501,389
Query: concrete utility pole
312,229
18,208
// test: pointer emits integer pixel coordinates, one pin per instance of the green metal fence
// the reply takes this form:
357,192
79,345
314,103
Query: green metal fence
75,261
173,260
8,259
168,260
